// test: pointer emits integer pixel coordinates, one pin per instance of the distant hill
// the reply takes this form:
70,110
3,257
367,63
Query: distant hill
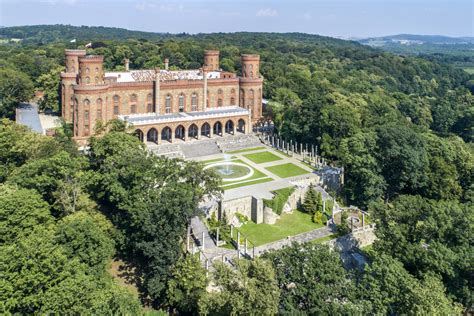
52,33
411,39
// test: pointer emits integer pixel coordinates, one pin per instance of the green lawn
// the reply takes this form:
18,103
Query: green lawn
469,70
323,239
279,199
288,225
261,157
287,170
236,185
245,150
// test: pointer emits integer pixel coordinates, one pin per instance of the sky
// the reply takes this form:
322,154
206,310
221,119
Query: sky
336,18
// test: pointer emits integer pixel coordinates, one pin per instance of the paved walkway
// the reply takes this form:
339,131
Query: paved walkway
217,253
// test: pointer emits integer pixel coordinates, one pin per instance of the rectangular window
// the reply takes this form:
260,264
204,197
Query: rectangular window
116,110
99,114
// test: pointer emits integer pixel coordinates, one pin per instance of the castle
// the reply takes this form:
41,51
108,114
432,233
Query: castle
162,105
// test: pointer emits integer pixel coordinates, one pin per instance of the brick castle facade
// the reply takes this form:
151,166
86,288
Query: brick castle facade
163,105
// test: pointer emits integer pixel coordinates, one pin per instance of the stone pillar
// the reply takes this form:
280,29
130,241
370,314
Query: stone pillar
172,136
204,75
238,241
157,90
158,141
234,131
186,135
167,61
324,205
198,136
363,220
246,245
127,64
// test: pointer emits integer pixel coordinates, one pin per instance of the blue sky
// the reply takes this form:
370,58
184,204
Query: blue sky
339,18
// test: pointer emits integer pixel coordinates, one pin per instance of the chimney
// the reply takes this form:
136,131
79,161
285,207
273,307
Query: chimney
167,61
127,64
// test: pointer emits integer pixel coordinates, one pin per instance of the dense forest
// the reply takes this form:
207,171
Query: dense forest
401,126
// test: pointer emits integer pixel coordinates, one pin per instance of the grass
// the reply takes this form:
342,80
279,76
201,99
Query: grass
287,170
279,199
245,150
262,157
288,225
469,70
237,185
323,239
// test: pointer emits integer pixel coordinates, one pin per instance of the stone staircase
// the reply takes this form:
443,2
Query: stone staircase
200,148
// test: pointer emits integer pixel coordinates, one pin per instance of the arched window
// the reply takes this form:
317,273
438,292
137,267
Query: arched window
96,79
133,103
88,80
87,70
251,66
232,101
251,97
251,74
181,102
194,102
86,102
96,70
219,102
99,109
242,98
73,69
168,104
116,100
149,101
232,91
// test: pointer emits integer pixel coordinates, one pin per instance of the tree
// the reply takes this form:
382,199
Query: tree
392,290
40,278
49,84
343,228
249,288
310,203
21,210
86,238
151,200
403,159
428,237
187,284
312,281
15,87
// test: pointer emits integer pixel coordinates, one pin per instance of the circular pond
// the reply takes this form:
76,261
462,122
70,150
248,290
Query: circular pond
231,171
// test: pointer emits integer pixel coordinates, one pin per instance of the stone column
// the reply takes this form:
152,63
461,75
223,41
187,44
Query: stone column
158,141
204,75
198,136
234,130
187,237
172,136
157,90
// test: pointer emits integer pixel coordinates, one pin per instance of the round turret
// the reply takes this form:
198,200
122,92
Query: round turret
211,59
91,70
250,66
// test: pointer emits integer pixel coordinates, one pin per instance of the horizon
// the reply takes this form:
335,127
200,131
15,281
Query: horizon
346,19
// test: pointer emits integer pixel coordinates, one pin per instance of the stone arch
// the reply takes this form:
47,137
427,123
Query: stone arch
206,130
229,127
180,132
217,128
232,101
241,126
193,131
152,135
166,133
139,133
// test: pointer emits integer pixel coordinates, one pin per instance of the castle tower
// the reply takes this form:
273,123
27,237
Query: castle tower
91,70
251,84
68,80
211,59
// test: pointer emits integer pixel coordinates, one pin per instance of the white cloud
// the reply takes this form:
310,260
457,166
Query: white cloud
268,12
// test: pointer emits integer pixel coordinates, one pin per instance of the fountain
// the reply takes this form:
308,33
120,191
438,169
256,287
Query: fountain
230,170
